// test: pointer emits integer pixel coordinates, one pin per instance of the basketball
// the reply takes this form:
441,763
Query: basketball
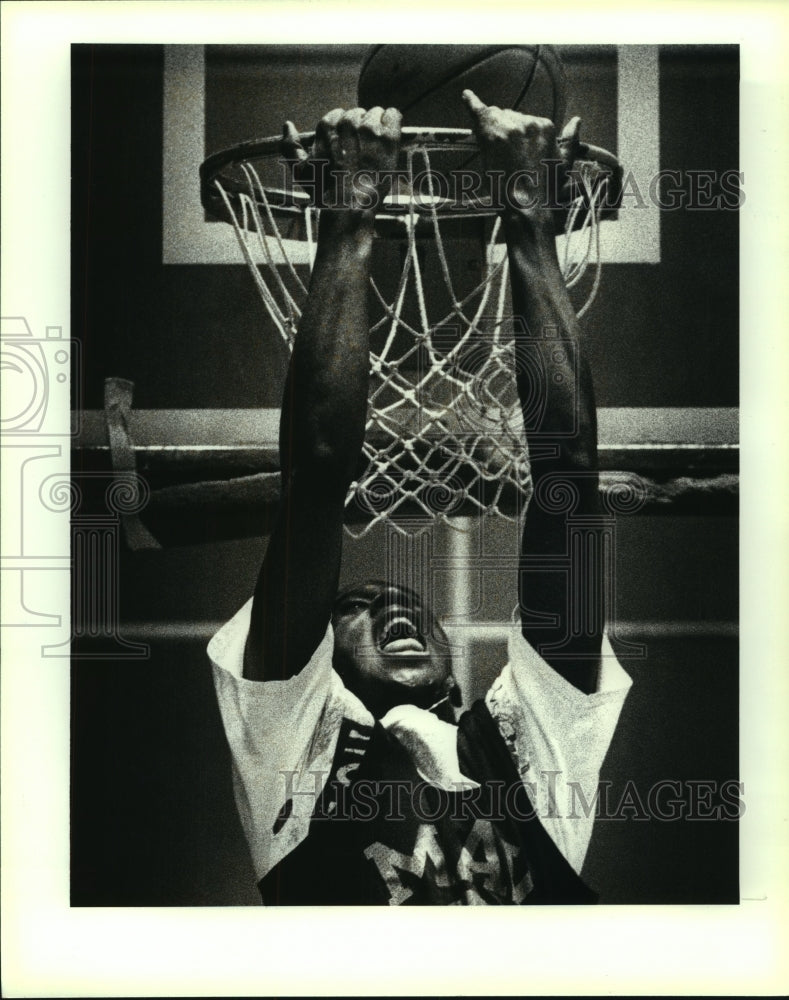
425,82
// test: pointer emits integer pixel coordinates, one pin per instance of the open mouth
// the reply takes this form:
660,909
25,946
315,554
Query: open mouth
400,635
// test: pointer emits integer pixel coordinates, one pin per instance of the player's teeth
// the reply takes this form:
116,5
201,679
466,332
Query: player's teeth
400,625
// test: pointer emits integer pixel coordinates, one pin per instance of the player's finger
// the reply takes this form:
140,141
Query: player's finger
372,138
348,131
391,121
350,122
473,103
372,120
326,139
569,140
331,118
290,146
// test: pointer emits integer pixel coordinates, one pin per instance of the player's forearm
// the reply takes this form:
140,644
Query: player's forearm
552,345
321,434
325,406
563,440
563,443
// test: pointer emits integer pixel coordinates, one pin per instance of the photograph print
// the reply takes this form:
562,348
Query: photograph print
404,503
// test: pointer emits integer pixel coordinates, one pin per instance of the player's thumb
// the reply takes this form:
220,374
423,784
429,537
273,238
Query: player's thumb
569,141
290,145
473,103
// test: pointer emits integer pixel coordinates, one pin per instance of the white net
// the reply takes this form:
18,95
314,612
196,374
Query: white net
445,426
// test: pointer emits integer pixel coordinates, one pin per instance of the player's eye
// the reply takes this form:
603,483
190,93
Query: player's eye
353,606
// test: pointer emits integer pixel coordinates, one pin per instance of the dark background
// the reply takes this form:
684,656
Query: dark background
153,822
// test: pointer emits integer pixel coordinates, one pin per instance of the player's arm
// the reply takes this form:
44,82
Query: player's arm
325,403
564,442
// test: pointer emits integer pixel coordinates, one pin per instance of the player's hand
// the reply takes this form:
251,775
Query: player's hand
548,174
524,148
350,163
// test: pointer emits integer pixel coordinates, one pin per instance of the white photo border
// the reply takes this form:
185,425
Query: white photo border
50,949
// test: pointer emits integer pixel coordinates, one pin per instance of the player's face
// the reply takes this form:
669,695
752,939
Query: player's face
389,648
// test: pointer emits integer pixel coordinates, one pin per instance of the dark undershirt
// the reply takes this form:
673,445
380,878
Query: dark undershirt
381,835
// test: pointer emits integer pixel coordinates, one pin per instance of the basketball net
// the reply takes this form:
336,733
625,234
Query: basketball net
445,427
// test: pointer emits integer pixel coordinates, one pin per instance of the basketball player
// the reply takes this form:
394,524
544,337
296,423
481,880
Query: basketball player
353,779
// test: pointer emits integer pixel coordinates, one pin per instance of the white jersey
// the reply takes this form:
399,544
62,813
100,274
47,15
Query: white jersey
283,737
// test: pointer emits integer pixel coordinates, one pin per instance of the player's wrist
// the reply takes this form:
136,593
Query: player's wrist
352,226
531,228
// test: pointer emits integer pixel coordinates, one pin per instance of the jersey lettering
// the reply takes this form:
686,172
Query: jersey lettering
487,866
401,872
486,870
